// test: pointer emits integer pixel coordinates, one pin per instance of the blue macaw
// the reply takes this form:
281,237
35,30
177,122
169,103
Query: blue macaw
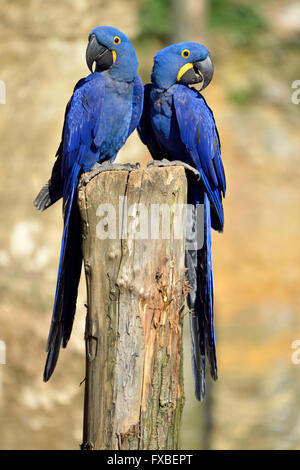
178,125
103,111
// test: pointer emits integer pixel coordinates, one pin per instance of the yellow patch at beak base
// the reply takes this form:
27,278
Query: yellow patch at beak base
184,69
114,56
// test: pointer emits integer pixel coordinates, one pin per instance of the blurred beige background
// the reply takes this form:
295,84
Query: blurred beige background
255,48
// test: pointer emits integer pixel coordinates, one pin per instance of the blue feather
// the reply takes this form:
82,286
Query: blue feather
137,104
202,141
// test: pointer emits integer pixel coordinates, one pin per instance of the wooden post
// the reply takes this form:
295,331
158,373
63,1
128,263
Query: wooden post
136,289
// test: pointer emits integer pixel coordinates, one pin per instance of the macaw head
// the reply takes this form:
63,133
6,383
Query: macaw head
111,50
186,63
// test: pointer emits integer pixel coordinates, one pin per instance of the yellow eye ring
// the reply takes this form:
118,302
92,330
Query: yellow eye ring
117,40
185,53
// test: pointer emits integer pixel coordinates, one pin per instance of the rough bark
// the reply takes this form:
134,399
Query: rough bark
135,302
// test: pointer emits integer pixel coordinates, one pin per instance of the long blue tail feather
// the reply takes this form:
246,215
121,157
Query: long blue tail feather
67,284
201,304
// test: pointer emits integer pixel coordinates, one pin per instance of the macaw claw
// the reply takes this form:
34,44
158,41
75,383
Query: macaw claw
165,162
107,166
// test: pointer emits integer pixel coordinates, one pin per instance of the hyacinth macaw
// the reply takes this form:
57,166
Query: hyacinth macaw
103,111
178,125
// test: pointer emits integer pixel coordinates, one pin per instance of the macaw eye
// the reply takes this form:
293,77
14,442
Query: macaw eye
185,53
117,40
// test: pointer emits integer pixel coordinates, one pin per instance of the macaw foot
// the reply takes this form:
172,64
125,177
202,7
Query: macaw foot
107,166
165,162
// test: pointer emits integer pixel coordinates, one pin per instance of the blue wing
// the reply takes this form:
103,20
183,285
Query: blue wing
80,140
82,116
77,153
137,104
199,134
145,129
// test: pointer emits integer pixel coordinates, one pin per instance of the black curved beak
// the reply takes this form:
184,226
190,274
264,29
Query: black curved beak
98,53
205,69
200,71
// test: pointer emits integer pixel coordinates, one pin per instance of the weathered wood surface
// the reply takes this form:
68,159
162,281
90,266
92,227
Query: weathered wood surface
135,295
